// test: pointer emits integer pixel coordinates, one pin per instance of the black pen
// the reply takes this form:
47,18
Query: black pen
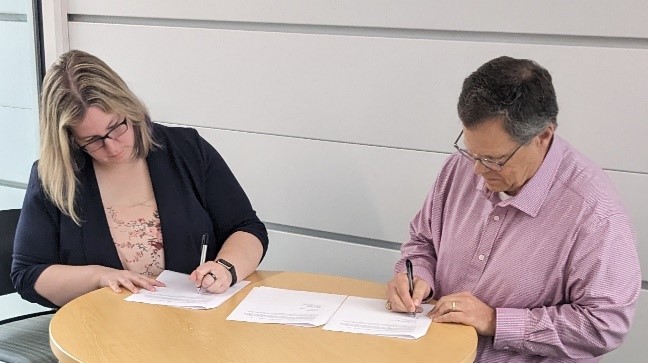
203,255
410,280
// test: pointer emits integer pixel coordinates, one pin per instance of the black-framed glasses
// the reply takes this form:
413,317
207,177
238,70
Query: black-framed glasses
113,134
490,164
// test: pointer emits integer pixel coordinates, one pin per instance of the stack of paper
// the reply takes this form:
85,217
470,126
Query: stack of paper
340,313
181,292
369,316
279,306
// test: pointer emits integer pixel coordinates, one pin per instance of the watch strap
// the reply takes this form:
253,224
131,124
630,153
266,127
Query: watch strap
229,267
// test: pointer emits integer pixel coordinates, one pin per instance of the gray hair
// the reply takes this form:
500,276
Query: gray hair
519,91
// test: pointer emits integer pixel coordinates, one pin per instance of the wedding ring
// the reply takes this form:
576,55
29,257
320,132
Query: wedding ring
454,306
388,305
212,275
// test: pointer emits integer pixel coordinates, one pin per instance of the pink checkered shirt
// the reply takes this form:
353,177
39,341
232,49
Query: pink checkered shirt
558,261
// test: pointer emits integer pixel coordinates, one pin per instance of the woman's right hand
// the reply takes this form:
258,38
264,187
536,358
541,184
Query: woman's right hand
115,279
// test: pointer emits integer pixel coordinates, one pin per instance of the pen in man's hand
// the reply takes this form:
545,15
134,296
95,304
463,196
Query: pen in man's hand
410,280
203,255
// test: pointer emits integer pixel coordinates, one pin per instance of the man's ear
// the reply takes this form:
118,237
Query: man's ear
544,138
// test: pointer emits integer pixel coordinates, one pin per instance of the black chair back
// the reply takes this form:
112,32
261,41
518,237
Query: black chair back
8,223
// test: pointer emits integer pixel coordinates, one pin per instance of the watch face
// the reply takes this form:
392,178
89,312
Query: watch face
225,264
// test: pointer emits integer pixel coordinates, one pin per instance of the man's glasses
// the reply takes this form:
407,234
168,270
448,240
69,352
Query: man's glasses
490,164
113,134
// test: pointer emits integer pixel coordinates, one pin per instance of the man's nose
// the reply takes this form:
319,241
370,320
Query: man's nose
479,168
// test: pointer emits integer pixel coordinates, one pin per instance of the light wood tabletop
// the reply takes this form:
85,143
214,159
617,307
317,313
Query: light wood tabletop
101,327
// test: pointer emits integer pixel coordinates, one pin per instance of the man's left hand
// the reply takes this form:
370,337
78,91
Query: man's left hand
464,308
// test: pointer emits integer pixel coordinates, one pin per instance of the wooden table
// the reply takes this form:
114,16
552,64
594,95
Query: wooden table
101,327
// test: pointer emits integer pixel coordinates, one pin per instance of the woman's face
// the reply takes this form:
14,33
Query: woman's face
116,148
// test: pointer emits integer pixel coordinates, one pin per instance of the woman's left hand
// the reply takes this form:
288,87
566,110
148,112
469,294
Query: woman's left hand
211,277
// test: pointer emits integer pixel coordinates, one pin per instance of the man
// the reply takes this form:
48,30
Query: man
522,237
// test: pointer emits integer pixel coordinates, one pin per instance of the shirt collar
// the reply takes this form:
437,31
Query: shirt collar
534,192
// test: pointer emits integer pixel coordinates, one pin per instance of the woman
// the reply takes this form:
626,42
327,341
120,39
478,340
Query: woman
116,199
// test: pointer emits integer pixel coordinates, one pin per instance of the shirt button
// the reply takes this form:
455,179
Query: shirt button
481,257
496,218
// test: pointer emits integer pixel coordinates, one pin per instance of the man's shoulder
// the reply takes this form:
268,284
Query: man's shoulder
581,177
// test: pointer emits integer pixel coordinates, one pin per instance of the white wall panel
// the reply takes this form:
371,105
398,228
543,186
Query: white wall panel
14,305
633,349
631,188
623,18
357,190
368,184
11,198
293,252
16,72
378,91
13,7
18,143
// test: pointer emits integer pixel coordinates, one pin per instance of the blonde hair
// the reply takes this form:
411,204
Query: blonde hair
76,82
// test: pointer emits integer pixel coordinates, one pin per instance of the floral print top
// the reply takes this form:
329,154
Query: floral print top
137,235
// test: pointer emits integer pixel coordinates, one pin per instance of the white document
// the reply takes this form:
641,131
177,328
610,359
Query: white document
369,316
280,306
181,292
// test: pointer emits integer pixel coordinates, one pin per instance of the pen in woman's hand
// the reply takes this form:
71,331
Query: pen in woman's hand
410,280
203,254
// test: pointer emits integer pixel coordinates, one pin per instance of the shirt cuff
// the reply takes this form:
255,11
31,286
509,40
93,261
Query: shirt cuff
509,328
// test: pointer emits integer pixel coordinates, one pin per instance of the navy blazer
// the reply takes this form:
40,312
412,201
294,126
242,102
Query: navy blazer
195,192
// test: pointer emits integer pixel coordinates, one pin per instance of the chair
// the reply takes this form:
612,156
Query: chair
23,338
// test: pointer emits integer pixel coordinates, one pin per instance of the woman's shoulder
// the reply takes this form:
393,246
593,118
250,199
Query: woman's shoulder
174,133
183,142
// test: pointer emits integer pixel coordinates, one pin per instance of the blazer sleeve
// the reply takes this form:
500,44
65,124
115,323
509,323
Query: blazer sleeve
36,245
225,200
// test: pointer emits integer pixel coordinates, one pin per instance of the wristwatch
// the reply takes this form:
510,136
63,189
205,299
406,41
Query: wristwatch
229,267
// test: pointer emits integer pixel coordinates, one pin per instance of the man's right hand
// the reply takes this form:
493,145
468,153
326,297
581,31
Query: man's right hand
398,296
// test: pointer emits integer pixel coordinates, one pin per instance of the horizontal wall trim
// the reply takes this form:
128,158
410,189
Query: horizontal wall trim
15,107
13,17
306,138
470,36
12,184
362,241
348,142
626,172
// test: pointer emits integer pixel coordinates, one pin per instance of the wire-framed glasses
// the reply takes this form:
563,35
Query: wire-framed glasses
100,141
496,165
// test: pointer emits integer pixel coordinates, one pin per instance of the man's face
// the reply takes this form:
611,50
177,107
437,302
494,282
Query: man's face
489,140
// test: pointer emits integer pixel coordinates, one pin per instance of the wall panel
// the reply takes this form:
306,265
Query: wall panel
16,88
371,188
623,18
396,92
18,143
13,7
294,252
349,189
11,198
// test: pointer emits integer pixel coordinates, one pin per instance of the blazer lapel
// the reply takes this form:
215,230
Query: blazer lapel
97,241
171,205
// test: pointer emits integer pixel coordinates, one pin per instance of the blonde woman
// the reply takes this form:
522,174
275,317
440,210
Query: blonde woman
116,199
